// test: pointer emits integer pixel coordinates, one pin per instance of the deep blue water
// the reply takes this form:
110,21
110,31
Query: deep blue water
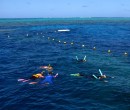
22,55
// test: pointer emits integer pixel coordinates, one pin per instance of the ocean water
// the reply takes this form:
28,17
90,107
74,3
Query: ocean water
27,44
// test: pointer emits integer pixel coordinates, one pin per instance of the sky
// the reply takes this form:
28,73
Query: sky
64,8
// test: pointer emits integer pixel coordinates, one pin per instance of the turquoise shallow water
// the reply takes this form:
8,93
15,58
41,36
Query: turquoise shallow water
25,46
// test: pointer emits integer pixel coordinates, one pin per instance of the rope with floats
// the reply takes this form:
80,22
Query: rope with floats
71,43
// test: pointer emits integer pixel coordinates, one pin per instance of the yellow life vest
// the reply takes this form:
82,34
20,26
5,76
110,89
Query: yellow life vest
37,75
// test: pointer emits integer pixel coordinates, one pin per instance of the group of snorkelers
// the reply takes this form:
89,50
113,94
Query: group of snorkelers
46,79
101,76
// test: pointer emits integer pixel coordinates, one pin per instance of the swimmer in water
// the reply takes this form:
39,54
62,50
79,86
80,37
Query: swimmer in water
102,76
33,77
49,68
48,79
81,60
36,76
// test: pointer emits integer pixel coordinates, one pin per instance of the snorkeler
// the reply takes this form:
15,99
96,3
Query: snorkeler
36,76
102,76
49,68
48,79
81,60
33,77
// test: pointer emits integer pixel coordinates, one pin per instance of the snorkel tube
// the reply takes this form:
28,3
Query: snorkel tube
100,72
77,58
84,58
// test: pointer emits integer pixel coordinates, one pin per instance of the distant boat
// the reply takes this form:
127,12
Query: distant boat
63,30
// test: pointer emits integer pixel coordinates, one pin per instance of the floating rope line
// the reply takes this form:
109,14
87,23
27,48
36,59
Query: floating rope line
73,43
82,45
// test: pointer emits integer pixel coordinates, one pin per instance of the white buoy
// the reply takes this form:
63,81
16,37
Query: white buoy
8,36
109,51
59,41
27,35
94,48
83,45
126,53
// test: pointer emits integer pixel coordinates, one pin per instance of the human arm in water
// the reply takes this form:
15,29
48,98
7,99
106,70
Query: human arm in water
56,75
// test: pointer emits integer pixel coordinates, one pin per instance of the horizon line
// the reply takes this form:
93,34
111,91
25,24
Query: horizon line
57,17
